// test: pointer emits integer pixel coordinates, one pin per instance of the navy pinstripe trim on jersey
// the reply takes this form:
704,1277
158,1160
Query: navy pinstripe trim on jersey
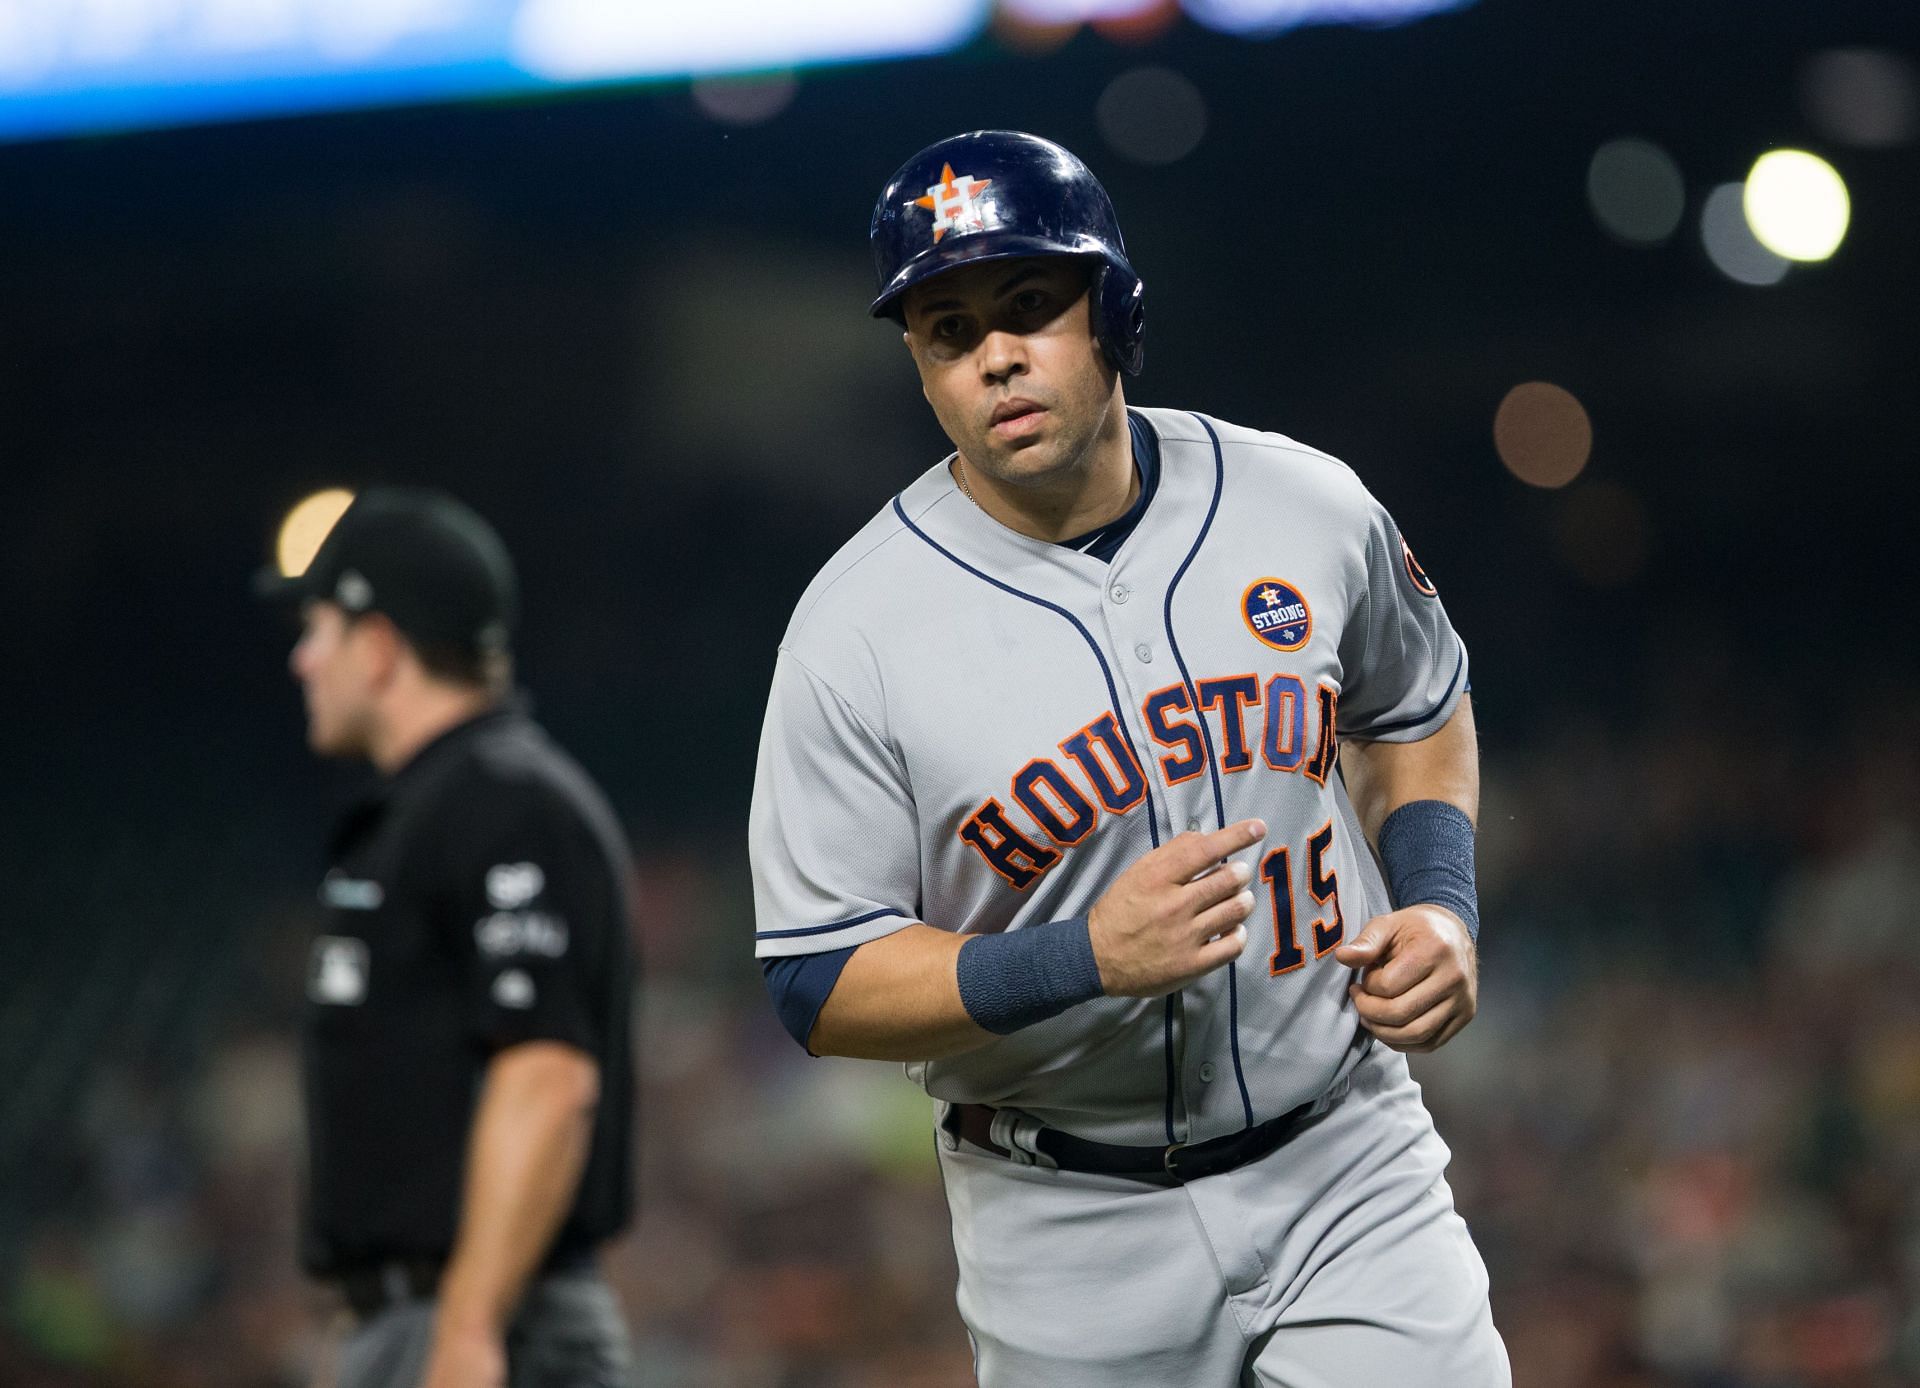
824,929
1459,663
1119,718
1167,1051
1206,736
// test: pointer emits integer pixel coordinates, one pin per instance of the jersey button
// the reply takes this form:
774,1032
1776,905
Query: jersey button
1206,1072
1120,592
1193,825
1145,652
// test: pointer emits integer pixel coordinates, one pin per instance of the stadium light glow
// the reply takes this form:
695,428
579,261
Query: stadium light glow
1262,17
121,64
587,40
67,66
1076,11
1797,204
306,527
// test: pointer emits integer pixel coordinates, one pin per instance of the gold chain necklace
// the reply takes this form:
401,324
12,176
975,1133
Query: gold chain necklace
960,474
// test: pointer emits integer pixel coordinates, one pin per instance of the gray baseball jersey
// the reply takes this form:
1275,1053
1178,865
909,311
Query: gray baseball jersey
979,730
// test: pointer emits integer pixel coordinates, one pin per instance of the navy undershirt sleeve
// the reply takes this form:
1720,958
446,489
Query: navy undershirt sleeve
799,985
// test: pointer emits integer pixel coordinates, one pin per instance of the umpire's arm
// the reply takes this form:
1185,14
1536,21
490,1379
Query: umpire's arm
529,912
532,1129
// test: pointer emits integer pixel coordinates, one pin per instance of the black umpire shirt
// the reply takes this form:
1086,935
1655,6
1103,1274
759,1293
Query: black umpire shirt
479,900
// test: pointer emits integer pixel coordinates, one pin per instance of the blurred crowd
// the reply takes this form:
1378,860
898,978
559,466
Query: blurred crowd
1686,1123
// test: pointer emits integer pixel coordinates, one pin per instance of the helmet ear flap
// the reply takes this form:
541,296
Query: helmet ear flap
1119,302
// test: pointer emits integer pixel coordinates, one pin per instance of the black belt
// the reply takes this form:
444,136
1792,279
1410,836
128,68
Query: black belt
372,1287
1183,1161
376,1286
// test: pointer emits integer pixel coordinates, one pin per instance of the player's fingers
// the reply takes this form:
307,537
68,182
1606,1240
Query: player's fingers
1457,1025
1223,917
1424,1032
1403,1009
1228,881
1400,973
1224,950
1370,944
1185,857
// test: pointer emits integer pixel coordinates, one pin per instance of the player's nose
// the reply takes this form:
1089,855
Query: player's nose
1003,355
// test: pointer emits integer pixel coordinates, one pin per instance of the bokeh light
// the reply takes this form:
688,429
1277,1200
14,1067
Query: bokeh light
1140,23
1076,11
1542,434
1862,96
1797,204
1603,534
1152,115
1730,242
305,527
1258,18
1034,37
744,100
1636,191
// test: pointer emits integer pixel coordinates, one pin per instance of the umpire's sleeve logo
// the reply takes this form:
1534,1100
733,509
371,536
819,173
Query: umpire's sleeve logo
337,971
512,885
514,988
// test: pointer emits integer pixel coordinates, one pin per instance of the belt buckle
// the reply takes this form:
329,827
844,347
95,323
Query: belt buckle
1170,1159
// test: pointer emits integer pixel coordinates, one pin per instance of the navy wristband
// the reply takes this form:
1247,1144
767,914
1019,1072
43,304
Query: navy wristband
1018,977
1426,848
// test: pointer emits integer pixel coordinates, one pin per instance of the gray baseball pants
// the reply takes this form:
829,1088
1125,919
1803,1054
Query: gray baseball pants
568,1334
1336,1261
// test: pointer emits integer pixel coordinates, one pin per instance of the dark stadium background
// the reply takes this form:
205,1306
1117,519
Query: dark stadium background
1687,1122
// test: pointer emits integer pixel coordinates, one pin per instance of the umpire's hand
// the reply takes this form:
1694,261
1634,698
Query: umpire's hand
1419,977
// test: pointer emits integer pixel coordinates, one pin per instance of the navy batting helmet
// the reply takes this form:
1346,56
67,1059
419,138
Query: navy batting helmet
995,195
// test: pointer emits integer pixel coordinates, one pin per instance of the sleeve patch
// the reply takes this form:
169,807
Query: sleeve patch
1415,573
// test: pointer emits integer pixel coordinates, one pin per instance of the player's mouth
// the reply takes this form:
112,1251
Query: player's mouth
1016,418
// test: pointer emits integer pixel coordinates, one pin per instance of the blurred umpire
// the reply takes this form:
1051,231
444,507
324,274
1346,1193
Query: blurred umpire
468,1077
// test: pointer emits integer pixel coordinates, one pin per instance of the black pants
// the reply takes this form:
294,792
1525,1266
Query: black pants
568,1334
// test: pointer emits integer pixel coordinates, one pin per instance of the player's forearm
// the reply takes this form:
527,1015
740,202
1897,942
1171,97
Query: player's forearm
531,1134
1383,776
899,999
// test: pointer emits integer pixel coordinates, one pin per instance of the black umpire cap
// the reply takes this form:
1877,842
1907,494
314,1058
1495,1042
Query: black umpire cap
429,563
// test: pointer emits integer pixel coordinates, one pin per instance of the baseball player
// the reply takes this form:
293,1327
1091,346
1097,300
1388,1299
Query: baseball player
1076,764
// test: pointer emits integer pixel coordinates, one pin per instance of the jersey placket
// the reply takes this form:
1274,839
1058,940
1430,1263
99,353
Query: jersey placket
1137,616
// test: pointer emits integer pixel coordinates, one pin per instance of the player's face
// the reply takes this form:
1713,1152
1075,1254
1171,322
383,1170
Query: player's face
1009,362
336,662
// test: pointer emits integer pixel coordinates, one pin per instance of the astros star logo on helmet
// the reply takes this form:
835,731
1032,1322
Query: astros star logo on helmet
954,202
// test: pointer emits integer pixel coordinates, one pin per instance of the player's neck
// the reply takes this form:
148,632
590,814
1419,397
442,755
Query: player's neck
1088,497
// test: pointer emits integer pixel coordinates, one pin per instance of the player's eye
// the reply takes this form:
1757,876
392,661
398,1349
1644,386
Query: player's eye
1029,301
949,329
